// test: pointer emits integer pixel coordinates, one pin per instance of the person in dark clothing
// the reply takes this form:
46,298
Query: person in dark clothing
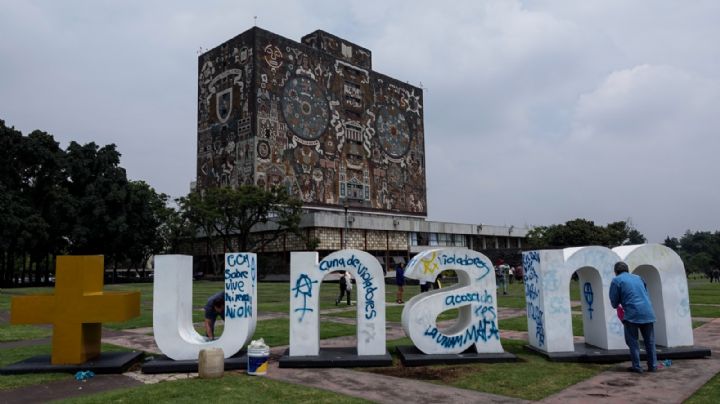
214,307
345,283
400,282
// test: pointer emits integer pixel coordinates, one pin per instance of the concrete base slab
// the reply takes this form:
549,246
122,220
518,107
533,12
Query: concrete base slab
107,362
335,358
411,356
163,364
591,354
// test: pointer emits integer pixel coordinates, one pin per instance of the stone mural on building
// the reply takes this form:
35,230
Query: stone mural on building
311,117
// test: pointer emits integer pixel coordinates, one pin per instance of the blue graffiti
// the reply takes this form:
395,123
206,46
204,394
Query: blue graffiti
536,314
484,330
551,281
304,287
616,326
244,310
233,280
531,291
486,298
453,300
588,293
237,259
363,272
465,261
684,308
530,259
558,305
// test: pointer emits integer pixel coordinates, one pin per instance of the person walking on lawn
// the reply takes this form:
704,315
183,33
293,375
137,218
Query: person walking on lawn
345,283
400,282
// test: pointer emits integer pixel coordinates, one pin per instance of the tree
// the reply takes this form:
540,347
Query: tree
78,201
671,243
145,211
243,219
582,232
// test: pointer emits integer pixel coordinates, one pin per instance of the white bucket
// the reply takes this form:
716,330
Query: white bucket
211,363
258,354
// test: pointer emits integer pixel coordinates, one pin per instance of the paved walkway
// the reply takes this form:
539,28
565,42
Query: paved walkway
673,384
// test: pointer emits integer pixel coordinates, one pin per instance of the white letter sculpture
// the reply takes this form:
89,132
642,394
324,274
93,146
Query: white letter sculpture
172,306
474,295
306,274
547,294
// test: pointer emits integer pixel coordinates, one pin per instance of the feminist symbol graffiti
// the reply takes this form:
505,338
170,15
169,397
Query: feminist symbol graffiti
304,287
588,293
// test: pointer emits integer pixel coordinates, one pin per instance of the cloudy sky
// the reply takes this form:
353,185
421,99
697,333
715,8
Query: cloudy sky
536,112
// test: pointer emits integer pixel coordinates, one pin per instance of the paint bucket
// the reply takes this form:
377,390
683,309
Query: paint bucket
211,363
258,354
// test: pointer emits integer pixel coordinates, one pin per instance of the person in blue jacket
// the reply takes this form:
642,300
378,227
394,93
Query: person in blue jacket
630,292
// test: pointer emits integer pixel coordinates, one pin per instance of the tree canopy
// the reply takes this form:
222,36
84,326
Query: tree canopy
76,201
700,250
582,232
247,218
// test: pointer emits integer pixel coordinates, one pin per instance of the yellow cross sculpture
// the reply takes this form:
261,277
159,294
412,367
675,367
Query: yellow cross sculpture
77,309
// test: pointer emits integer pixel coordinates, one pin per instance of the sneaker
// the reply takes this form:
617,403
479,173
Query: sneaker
635,370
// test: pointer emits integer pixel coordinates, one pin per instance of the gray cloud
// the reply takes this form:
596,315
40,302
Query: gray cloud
536,112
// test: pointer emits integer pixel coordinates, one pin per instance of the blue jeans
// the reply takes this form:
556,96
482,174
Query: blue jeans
631,339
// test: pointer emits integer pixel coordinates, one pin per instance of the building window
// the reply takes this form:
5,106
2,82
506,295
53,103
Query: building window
433,239
444,239
413,238
422,239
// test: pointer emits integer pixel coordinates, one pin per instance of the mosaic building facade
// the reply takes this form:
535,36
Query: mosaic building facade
314,118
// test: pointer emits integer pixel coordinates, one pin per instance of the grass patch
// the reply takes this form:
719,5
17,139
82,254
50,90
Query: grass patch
703,292
531,378
520,324
10,356
276,332
708,393
696,324
704,311
22,332
394,314
233,387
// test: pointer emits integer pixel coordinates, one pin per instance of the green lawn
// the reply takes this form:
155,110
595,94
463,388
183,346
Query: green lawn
20,332
233,387
10,356
708,393
394,314
704,311
520,324
532,377
704,292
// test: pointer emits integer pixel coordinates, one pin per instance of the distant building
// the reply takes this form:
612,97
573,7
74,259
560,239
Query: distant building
349,142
